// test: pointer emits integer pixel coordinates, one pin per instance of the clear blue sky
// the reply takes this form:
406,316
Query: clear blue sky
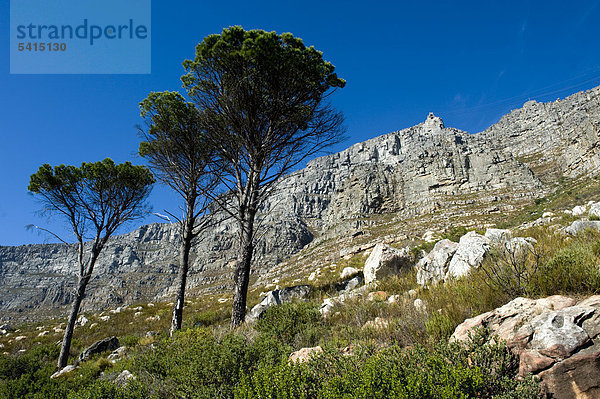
468,62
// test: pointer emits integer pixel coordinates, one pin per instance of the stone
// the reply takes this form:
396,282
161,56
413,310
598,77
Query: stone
579,210
384,261
278,297
429,236
469,254
378,324
532,362
104,318
63,371
434,266
82,321
594,211
498,235
419,305
553,337
349,284
577,377
393,299
304,354
123,378
106,344
520,246
117,354
349,272
43,333
556,333
378,296
20,338
581,225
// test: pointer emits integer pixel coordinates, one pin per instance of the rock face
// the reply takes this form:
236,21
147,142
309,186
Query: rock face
423,169
556,339
384,261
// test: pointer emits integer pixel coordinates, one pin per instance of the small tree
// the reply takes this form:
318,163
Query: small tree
262,99
178,151
95,199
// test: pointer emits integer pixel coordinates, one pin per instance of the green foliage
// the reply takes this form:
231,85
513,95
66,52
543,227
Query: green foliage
271,58
295,324
447,371
103,195
553,266
573,269
453,233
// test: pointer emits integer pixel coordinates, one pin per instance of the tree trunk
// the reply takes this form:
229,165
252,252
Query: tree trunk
184,258
242,273
67,338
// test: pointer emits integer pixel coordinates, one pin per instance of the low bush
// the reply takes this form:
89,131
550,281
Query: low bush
446,371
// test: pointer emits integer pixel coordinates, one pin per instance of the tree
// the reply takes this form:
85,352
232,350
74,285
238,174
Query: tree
262,98
96,198
178,151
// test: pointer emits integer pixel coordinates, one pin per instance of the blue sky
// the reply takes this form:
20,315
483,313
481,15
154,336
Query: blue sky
468,62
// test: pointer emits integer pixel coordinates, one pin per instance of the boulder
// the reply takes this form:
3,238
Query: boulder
384,261
378,324
117,354
520,245
419,305
64,371
277,297
498,235
304,354
378,296
434,266
348,272
471,250
582,225
123,378
329,303
594,211
106,344
555,339
579,210
350,284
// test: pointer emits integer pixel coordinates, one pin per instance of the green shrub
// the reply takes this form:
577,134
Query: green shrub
297,324
446,371
573,269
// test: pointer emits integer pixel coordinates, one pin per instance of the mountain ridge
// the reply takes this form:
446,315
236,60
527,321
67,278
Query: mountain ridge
427,169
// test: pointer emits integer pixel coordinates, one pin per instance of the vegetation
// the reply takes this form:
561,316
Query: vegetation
262,98
407,356
177,148
95,199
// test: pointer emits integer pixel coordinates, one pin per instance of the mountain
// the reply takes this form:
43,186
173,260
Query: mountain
426,176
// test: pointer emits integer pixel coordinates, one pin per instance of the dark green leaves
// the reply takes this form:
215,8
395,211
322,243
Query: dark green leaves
102,194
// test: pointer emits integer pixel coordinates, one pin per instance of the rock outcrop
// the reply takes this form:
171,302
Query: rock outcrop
555,338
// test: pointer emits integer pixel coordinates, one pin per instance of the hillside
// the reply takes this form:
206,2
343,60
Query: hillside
395,188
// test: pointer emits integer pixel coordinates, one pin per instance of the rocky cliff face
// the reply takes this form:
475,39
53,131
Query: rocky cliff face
423,169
